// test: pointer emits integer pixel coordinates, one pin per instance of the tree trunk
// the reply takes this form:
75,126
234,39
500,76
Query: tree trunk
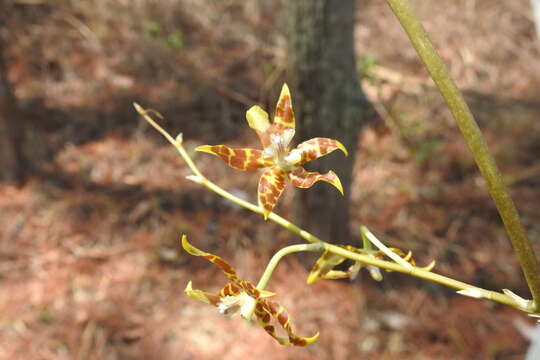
328,102
12,161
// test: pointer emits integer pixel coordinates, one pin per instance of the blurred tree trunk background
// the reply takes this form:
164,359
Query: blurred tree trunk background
328,102
12,160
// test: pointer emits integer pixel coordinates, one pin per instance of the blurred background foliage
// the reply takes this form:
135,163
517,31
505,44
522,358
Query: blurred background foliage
90,266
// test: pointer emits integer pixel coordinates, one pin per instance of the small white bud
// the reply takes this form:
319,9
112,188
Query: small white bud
524,303
179,138
374,272
195,178
474,293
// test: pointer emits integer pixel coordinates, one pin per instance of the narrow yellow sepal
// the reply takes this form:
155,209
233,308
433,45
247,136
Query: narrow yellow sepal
257,119
342,147
265,293
284,114
205,148
191,249
196,294
408,257
312,339
312,277
430,266
285,92
322,269
335,274
337,184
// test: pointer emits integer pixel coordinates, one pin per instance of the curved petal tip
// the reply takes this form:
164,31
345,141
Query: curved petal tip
306,340
205,148
336,182
342,147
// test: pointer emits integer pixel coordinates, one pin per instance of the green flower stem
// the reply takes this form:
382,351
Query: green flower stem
365,259
426,275
281,253
367,246
272,266
473,136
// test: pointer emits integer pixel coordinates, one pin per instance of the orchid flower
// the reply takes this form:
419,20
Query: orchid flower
277,157
242,295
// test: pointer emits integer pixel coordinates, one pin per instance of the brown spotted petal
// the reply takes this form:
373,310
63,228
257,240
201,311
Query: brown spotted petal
304,179
315,148
230,289
324,265
201,295
284,115
266,310
271,186
227,269
241,159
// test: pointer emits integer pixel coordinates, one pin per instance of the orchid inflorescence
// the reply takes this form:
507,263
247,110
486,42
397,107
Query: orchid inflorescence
276,157
324,266
280,162
251,301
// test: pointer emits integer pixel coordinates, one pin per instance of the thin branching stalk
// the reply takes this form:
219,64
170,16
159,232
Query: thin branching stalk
473,136
464,288
280,254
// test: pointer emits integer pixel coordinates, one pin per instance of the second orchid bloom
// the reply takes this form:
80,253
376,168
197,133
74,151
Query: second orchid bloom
277,157
241,295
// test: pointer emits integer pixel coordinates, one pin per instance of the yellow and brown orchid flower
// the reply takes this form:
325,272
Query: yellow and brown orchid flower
277,157
242,295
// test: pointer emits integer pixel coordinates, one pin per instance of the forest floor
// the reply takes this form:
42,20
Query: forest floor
90,261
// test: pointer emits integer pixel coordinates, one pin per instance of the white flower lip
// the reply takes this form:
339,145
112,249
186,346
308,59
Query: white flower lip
228,305
279,144
293,157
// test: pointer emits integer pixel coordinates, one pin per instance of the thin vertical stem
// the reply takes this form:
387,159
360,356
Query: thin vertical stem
473,136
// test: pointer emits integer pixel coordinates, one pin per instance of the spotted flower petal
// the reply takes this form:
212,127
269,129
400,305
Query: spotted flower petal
227,269
304,179
323,266
266,310
201,295
271,186
315,148
284,115
241,159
